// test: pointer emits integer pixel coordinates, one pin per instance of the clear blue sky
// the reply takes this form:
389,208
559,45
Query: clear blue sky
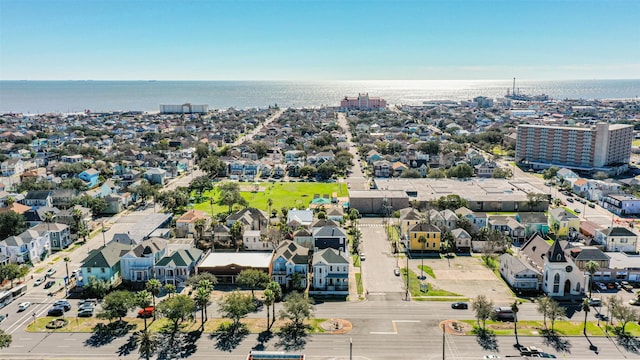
319,40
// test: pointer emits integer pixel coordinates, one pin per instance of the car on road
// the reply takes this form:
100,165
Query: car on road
591,205
634,302
51,271
486,357
55,311
362,258
23,306
2,317
396,271
39,281
49,284
570,200
577,210
459,305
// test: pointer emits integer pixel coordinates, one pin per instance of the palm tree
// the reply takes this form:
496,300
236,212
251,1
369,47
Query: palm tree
170,289
154,286
277,293
143,300
9,201
422,240
77,216
269,299
147,343
48,218
208,286
591,268
199,225
83,232
515,309
202,299
585,308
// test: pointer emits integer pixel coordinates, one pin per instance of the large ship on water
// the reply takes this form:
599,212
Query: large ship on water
516,95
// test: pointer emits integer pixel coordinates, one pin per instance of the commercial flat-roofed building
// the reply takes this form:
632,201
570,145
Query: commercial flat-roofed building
362,102
184,109
603,147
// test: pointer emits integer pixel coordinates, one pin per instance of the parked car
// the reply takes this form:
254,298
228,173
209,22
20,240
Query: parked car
49,284
39,281
362,258
635,302
85,312
625,285
459,305
23,306
595,302
146,312
577,210
570,200
396,271
86,306
51,271
592,205
2,317
55,311
601,286
63,304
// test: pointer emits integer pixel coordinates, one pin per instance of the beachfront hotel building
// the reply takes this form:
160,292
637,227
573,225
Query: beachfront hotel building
362,102
603,147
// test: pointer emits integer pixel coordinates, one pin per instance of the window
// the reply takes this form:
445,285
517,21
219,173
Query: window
103,270
556,283
89,270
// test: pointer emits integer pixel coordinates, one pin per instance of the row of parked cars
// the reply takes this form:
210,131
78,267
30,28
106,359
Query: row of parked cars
615,285
85,308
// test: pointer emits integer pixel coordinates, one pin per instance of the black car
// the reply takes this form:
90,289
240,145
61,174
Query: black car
49,284
56,311
63,304
460,305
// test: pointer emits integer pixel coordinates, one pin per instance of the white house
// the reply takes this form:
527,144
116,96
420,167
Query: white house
177,267
252,240
330,272
59,234
137,265
290,258
618,239
561,276
300,217
30,246
519,274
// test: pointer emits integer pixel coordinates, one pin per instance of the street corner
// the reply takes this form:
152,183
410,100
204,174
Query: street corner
336,326
455,327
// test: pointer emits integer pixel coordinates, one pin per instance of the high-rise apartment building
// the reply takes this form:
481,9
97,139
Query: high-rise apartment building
603,147
362,102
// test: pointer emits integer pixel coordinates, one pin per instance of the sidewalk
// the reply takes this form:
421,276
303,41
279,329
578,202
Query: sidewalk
353,283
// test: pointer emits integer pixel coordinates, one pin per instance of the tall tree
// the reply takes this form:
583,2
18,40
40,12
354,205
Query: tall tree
269,299
154,286
586,308
515,309
623,313
5,339
297,309
11,224
10,272
201,299
200,185
169,289
591,268
253,279
176,309
117,304
543,306
236,306
483,309
96,288
275,288
556,311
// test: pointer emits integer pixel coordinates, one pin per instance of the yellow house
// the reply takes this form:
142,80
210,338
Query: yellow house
565,221
430,232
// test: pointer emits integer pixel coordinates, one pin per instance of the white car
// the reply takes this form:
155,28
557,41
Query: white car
39,281
23,306
491,357
51,271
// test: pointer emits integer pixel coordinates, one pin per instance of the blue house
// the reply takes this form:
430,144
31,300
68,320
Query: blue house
290,258
156,176
90,176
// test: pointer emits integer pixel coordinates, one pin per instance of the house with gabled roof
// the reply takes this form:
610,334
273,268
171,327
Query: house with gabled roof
251,219
104,263
178,266
329,237
521,276
408,217
137,264
533,222
59,234
290,258
477,219
431,233
90,177
330,272
563,220
38,198
186,224
299,217
617,238
29,246
462,240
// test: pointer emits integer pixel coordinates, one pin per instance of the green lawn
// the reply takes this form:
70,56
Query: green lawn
562,327
359,282
635,143
427,270
289,194
414,286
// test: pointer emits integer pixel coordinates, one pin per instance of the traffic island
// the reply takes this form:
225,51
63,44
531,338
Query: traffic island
336,326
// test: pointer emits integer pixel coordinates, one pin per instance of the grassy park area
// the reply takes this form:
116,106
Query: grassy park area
289,194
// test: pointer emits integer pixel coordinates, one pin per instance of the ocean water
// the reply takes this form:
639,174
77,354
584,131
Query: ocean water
98,96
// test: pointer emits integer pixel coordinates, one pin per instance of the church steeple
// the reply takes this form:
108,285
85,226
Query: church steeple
555,253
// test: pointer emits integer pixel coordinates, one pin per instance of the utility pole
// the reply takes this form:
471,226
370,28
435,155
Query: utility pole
350,348
406,294
443,340
104,241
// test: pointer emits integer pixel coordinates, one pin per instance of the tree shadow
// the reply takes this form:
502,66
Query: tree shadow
628,342
486,339
556,342
130,346
263,338
104,334
292,337
229,337
177,345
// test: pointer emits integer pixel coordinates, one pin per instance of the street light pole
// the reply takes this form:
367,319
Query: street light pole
350,348
443,341
104,241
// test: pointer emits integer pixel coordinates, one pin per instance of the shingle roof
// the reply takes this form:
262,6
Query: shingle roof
106,256
618,231
182,257
38,194
293,252
330,256
423,227
329,231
